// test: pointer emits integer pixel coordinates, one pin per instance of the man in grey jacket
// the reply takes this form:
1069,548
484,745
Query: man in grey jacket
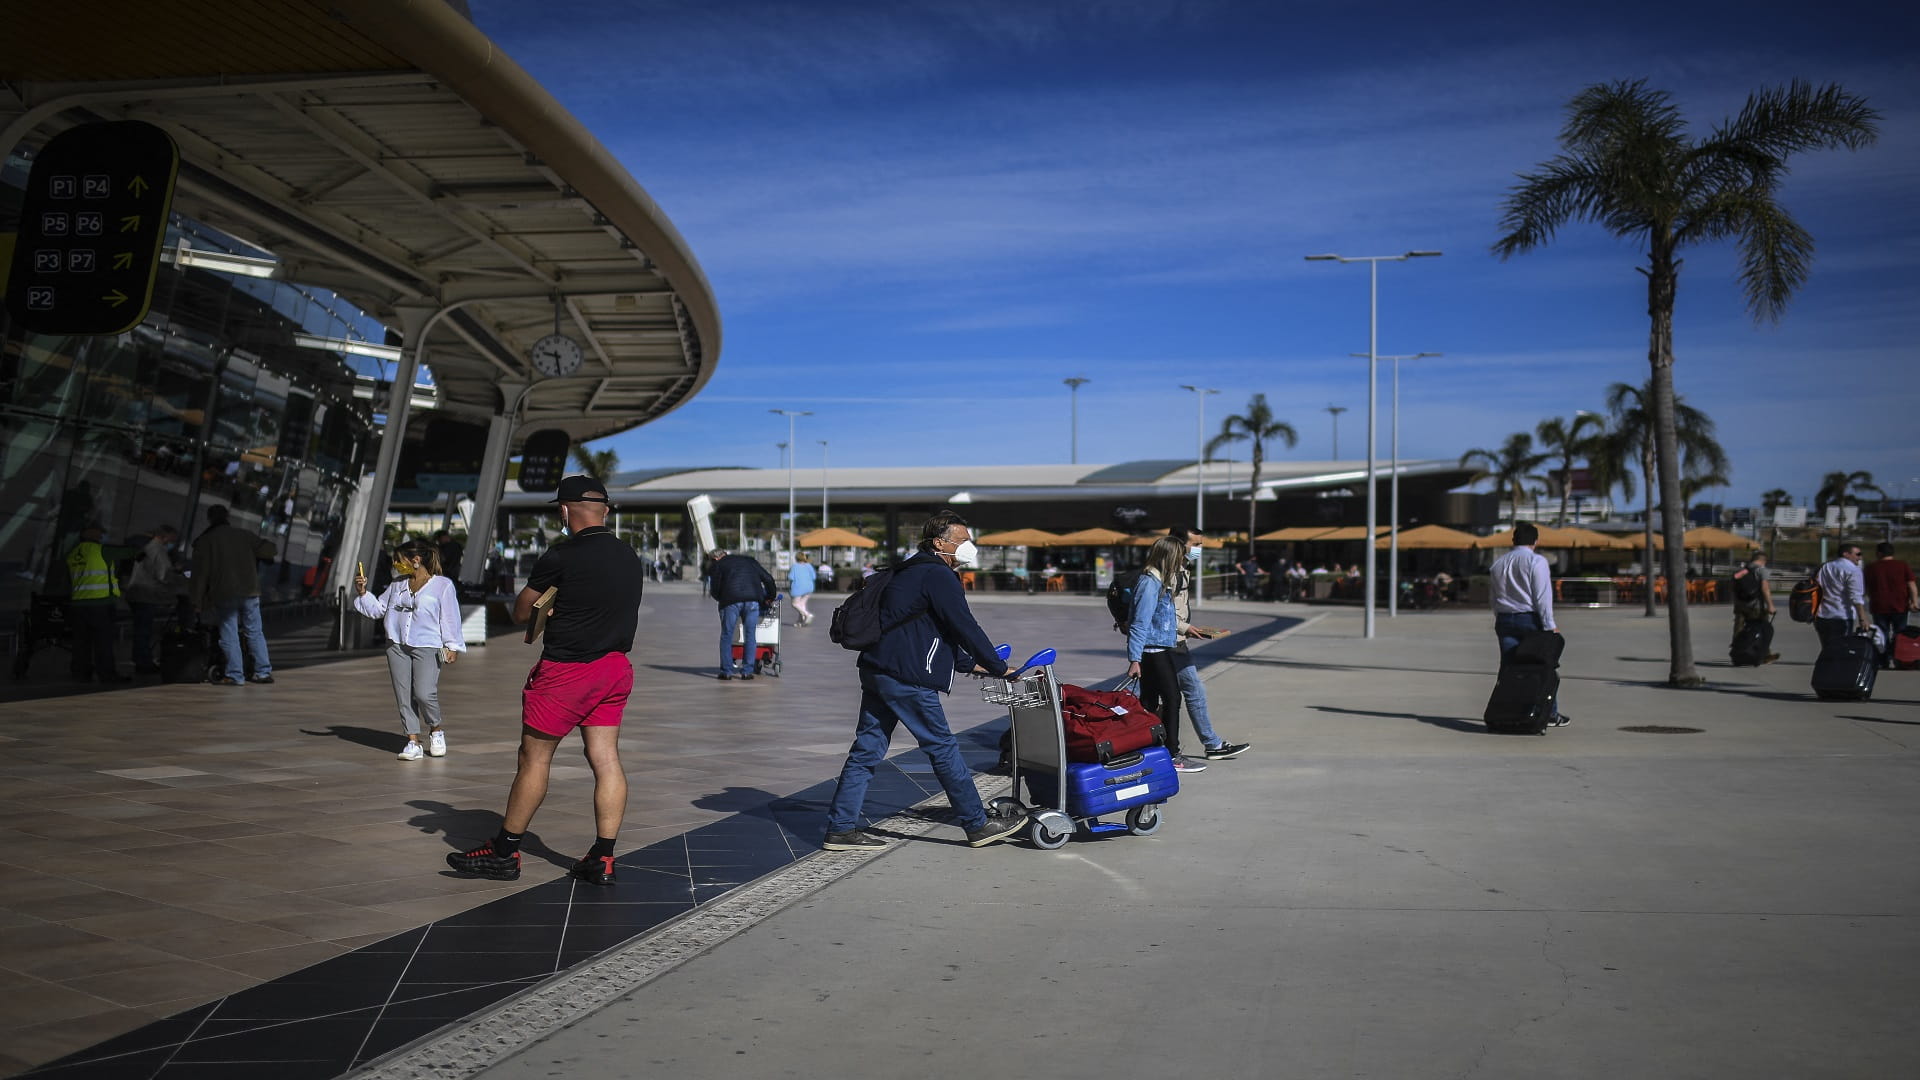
226,587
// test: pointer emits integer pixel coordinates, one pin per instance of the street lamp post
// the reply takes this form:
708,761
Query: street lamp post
1199,469
1393,513
1335,411
1373,399
791,415
823,495
1073,445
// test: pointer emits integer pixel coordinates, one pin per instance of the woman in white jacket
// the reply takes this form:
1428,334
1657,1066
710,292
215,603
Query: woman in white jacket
421,610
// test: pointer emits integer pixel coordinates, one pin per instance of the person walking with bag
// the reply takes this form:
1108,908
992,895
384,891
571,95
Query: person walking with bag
153,587
1153,634
1192,690
421,613
1521,587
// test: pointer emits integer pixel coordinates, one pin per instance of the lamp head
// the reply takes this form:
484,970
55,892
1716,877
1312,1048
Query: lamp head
1421,254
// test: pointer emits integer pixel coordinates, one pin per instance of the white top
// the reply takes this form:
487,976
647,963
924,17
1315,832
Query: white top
428,619
1843,590
1522,582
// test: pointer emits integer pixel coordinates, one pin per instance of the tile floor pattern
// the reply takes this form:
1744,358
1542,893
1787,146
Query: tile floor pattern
171,846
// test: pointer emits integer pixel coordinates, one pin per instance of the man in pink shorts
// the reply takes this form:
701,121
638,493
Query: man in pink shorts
582,680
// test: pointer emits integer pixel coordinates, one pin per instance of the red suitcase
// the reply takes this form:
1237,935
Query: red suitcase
1105,724
1906,648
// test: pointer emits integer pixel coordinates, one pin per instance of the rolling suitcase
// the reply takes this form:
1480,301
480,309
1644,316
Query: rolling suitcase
1522,701
1093,790
1752,644
186,654
1846,668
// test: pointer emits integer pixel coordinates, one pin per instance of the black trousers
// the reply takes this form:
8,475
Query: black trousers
1160,692
92,628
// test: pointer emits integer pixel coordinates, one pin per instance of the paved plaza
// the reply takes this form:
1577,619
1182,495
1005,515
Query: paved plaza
1379,888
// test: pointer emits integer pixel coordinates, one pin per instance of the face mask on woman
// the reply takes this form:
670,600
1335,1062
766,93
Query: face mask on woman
1193,553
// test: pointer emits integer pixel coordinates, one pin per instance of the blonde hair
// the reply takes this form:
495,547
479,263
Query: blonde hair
1166,556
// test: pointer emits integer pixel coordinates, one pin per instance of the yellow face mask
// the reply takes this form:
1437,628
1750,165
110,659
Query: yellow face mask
402,569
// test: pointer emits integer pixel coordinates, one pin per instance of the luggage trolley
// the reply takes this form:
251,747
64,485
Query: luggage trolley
766,641
1137,783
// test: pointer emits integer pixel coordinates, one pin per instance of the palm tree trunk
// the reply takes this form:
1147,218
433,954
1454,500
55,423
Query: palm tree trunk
1661,284
1253,488
1646,525
1566,484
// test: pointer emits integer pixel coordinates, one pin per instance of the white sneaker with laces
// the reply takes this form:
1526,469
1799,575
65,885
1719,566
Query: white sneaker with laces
411,753
437,744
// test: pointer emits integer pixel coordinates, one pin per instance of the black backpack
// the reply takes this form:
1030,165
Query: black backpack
856,622
1746,586
1804,602
1120,598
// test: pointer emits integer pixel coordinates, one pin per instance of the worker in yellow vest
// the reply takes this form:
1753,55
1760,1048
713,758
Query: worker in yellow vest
90,606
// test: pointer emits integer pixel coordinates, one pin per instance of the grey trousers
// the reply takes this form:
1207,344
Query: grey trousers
416,681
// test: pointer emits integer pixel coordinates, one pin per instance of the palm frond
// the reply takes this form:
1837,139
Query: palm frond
1783,121
1565,189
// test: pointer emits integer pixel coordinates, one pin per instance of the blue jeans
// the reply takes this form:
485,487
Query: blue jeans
884,702
732,615
239,617
1195,691
1509,627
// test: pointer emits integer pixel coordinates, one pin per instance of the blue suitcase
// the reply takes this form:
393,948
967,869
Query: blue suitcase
1097,790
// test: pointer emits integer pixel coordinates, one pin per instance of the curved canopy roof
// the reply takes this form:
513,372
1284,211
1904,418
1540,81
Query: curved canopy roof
387,150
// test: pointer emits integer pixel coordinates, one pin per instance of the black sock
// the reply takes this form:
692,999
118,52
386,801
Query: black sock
602,848
506,843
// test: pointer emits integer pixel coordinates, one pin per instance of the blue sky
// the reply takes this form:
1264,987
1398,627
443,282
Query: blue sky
919,216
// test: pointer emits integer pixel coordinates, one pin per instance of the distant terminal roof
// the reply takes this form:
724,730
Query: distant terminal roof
387,150
963,484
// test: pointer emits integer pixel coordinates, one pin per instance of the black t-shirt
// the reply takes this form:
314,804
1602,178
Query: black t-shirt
599,578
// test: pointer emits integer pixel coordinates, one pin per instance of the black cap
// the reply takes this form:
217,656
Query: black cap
580,488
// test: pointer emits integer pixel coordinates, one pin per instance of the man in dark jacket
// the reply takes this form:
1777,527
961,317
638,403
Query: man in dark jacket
740,585
930,635
226,587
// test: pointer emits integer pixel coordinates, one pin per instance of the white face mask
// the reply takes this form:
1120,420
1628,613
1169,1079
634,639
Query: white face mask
966,555
1193,553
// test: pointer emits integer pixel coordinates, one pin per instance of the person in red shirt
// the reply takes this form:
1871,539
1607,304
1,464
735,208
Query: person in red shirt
1891,593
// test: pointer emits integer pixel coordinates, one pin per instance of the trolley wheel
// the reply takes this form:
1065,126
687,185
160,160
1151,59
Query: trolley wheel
1145,819
772,667
1046,839
1004,804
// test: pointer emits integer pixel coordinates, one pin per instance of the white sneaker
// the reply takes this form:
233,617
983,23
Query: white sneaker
411,753
437,744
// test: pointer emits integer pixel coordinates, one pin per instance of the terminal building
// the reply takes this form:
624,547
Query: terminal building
390,252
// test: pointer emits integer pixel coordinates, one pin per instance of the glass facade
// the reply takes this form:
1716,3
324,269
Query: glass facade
207,402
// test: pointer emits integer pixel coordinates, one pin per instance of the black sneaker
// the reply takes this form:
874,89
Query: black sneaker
262,680
594,870
723,676
852,840
1562,720
1227,750
484,862
744,678
997,828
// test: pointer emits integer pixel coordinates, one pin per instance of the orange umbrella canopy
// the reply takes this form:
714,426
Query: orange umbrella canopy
1352,532
1296,532
1018,538
1431,538
834,537
1089,538
1710,538
1573,537
1147,540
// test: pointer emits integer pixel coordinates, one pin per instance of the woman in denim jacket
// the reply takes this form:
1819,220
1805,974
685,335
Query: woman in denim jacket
1152,633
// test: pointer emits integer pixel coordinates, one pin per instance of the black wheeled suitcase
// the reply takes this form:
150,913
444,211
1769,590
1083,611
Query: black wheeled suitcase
186,653
1751,644
1522,701
1846,669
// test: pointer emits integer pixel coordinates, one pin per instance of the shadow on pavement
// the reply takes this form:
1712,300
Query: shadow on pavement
1880,720
464,829
373,738
1451,723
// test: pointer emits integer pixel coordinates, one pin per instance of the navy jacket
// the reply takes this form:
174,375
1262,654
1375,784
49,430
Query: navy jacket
740,579
933,633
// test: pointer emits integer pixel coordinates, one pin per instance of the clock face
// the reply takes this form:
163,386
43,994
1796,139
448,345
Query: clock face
556,354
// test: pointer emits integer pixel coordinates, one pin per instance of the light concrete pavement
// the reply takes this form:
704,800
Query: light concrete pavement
1378,889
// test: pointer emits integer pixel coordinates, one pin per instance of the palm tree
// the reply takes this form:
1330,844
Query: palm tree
1842,488
1628,164
1633,440
1257,425
1509,467
599,464
1775,499
1567,442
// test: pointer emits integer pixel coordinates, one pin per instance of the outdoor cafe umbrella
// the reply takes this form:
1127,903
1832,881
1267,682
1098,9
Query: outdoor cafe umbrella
1432,538
834,537
1574,537
1709,538
1089,538
1352,532
1018,538
1296,533
1147,540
